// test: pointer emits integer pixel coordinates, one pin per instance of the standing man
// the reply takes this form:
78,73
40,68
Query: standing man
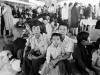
64,14
98,12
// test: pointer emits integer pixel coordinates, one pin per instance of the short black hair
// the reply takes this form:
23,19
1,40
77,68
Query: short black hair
82,36
36,22
57,34
63,25
97,25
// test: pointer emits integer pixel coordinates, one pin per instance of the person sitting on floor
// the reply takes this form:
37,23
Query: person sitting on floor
54,56
38,44
82,56
96,58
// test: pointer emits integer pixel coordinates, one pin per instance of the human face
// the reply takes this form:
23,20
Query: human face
63,30
36,29
86,42
56,40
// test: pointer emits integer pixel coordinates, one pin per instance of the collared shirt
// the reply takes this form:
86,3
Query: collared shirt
68,44
53,52
96,58
38,44
65,13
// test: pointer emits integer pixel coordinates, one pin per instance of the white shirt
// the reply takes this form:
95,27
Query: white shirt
41,45
96,58
48,30
64,13
52,9
53,52
98,12
68,44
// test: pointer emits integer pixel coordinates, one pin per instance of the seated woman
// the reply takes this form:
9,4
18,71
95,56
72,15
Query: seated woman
96,58
54,56
38,43
8,65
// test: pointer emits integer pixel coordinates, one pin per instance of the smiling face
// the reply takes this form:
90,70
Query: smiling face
56,40
36,31
63,30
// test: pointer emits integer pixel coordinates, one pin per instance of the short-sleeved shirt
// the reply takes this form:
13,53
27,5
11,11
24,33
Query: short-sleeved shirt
53,52
40,43
68,44
96,58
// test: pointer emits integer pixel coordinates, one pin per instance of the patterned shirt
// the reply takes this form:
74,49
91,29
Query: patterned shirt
38,44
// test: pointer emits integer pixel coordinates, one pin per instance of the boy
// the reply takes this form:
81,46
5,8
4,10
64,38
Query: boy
38,44
68,44
54,55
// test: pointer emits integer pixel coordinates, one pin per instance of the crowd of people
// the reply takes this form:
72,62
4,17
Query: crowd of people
50,41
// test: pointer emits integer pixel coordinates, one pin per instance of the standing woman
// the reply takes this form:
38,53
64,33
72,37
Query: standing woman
8,18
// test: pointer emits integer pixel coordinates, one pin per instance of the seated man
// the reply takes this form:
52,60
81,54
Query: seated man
82,55
38,44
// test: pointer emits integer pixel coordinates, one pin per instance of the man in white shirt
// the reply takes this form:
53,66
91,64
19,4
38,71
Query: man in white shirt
65,13
98,12
68,44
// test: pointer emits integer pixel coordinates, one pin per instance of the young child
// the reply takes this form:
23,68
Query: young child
54,54
96,59
8,65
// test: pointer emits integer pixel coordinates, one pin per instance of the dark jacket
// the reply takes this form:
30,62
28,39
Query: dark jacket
83,57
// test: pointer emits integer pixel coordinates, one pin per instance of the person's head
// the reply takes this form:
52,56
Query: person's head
97,44
52,5
56,39
65,4
83,38
36,26
75,4
97,25
70,4
63,29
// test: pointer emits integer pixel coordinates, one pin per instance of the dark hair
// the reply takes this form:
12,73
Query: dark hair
63,25
82,36
65,4
57,34
97,43
97,25
36,22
